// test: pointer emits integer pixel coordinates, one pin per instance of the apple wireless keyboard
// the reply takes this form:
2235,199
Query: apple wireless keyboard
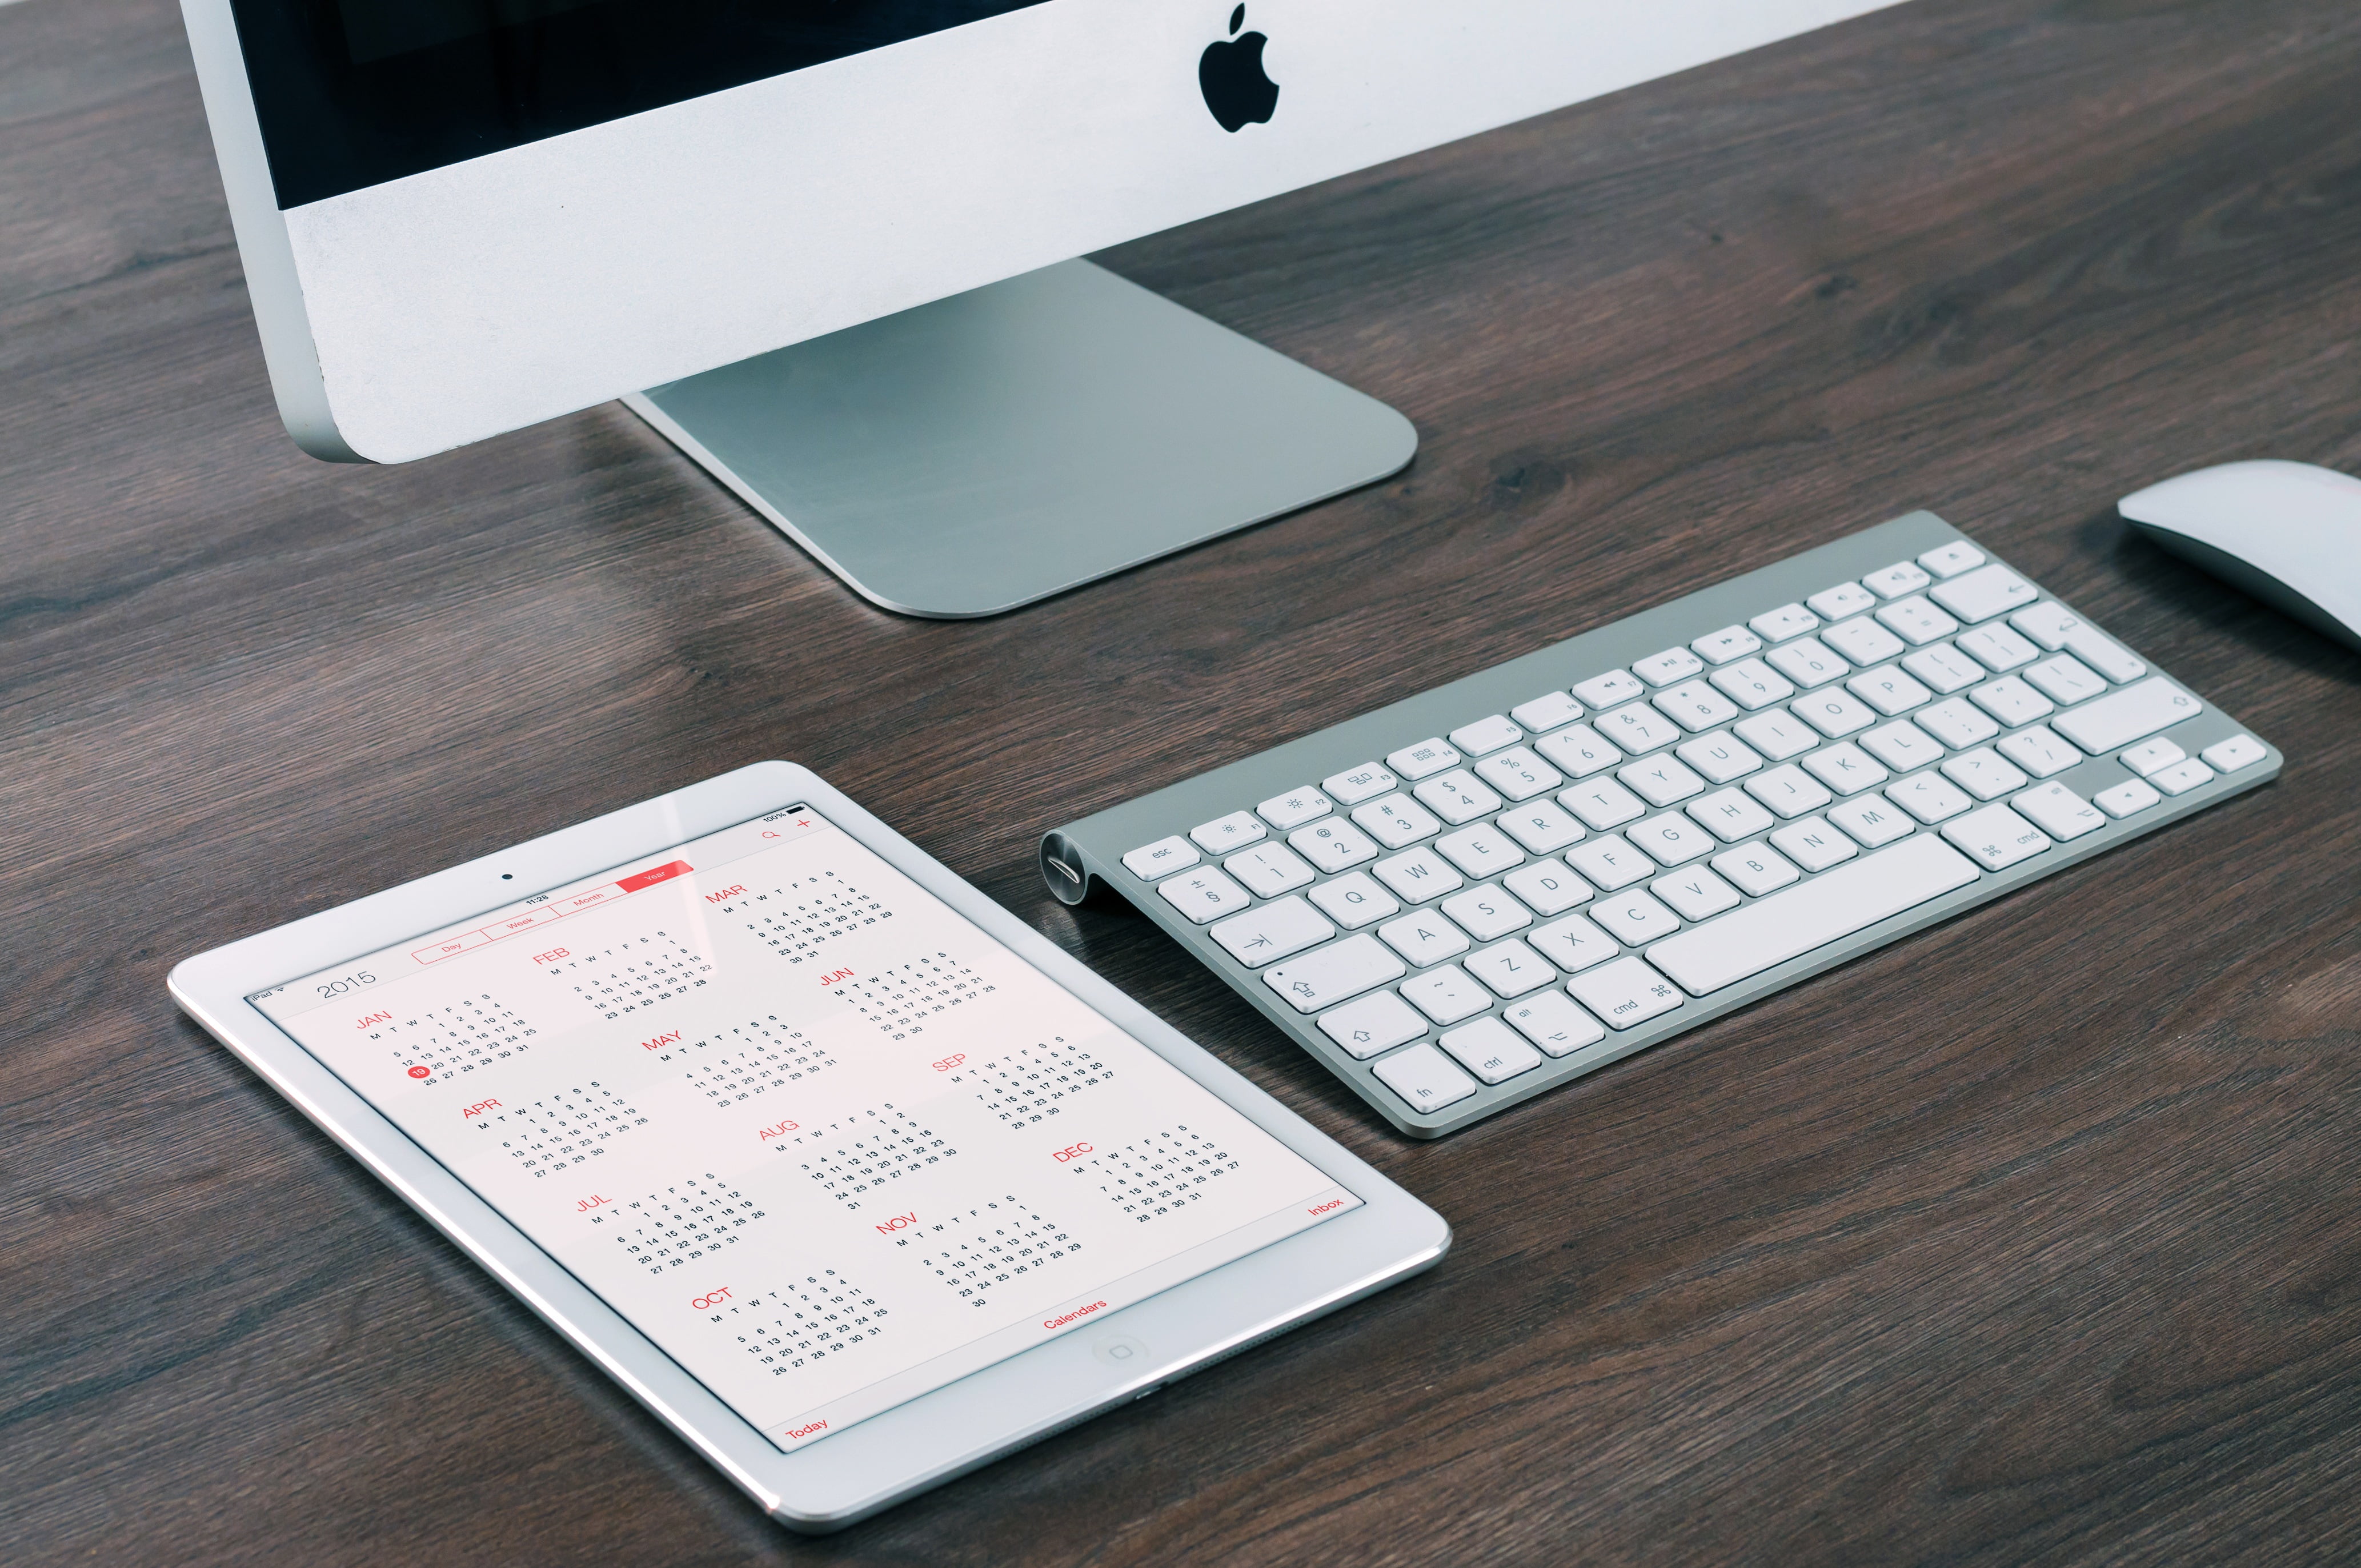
1480,891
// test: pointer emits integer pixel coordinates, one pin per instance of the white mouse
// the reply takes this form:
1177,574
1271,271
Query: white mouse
2288,533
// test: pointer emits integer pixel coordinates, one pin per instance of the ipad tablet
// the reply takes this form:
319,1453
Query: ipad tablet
847,1174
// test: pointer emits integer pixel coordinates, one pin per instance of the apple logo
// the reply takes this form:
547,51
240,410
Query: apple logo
1237,89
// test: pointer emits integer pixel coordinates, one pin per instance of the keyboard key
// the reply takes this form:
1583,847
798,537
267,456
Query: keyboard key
1547,711
1697,894
1719,757
1957,723
1863,640
2152,756
1951,560
1932,799
1890,690
1808,662
1984,773
1457,797
1626,992
1672,839
1672,665
2054,626
1998,649
1378,1022
1730,643
1834,713
1519,775
2130,795
1446,994
1918,621
1871,821
1166,855
1270,870
1482,851
1487,913
1424,760
1608,862
1637,728
1662,780
1943,667
2131,714
2237,751
1486,735
1757,868
1846,768
1731,814
1333,846
1607,690
2181,777
1983,593
2011,701
1354,901
1602,802
1272,932
1547,887
1541,827
1811,915
1424,937
1893,582
1337,972
1511,969
1632,918
1579,750
1903,746
1355,785
1787,621
1996,837
1844,600
1425,1078
1203,894
2039,751
1788,790
1813,844
1778,734
1396,820
2065,680
1695,706
1234,831
1295,808
1573,944
1417,876
1490,1051
2059,812
1751,684
1553,1022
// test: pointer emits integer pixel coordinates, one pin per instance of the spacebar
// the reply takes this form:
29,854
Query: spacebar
1835,904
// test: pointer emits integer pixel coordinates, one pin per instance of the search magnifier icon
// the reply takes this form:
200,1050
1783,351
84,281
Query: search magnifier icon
768,834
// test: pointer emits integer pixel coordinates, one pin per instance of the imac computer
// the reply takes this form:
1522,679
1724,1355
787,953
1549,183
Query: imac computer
829,246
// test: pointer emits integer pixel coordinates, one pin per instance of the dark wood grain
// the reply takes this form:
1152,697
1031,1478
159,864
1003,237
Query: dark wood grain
2034,1238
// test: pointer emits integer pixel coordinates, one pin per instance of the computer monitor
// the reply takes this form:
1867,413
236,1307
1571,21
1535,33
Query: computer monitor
459,217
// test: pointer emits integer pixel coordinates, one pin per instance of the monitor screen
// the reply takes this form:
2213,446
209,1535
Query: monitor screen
356,93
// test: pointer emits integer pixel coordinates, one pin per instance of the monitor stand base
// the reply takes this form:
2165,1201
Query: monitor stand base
994,448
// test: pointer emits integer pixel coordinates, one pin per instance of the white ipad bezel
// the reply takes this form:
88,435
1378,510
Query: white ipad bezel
931,1438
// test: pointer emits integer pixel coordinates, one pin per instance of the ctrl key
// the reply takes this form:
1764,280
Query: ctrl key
1423,1077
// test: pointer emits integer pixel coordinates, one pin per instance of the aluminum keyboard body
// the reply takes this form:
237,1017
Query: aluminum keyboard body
1458,1003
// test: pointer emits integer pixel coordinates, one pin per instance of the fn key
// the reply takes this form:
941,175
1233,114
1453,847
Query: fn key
1421,1075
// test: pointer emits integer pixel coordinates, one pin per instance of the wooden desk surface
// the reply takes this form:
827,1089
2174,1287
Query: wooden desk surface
2032,1238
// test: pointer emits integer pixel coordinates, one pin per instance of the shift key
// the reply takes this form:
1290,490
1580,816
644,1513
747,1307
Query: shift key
2110,722
1334,974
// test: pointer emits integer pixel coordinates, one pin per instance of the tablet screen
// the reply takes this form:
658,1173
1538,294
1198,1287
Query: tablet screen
818,1135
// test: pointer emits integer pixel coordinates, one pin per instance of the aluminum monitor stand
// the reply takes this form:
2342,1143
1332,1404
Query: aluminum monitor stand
997,447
